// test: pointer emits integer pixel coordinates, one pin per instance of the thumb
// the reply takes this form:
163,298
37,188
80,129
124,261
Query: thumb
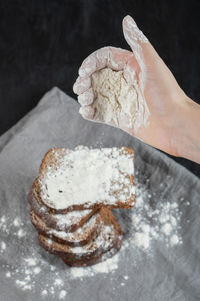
135,38
140,45
144,52
150,63
132,33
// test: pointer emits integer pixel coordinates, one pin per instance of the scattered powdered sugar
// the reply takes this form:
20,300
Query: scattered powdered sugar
2,246
167,228
8,274
108,169
62,294
59,282
153,224
174,240
3,224
17,222
15,225
30,261
21,233
44,293
24,285
37,270
107,266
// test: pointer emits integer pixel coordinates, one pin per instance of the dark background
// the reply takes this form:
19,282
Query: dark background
42,44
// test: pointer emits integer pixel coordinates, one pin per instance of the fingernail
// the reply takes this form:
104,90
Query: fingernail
131,26
75,88
129,20
86,98
81,85
81,72
87,112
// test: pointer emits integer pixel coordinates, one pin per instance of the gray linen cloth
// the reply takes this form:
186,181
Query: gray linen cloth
170,274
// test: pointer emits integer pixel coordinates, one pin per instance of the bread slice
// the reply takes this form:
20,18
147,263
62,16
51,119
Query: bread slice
109,237
86,178
79,237
68,222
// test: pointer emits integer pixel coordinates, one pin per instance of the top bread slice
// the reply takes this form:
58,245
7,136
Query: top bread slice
68,222
86,178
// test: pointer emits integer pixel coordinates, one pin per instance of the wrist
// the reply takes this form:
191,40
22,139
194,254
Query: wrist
187,134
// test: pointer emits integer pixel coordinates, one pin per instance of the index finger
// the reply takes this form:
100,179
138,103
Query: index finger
114,58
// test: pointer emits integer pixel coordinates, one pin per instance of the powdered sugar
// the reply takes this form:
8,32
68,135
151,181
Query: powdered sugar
8,275
2,246
17,222
174,240
62,294
59,282
107,266
37,270
21,233
30,261
150,225
15,225
79,234
44,293
70,183
65,220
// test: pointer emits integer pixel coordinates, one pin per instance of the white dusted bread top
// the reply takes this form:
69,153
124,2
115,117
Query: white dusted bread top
84,178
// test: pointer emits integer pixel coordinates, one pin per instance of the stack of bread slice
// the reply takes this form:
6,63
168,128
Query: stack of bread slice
71,202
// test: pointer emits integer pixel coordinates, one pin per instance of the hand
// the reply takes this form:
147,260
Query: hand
164,102
114,58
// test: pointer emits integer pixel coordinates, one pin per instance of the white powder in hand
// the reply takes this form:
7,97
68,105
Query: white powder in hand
115,100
